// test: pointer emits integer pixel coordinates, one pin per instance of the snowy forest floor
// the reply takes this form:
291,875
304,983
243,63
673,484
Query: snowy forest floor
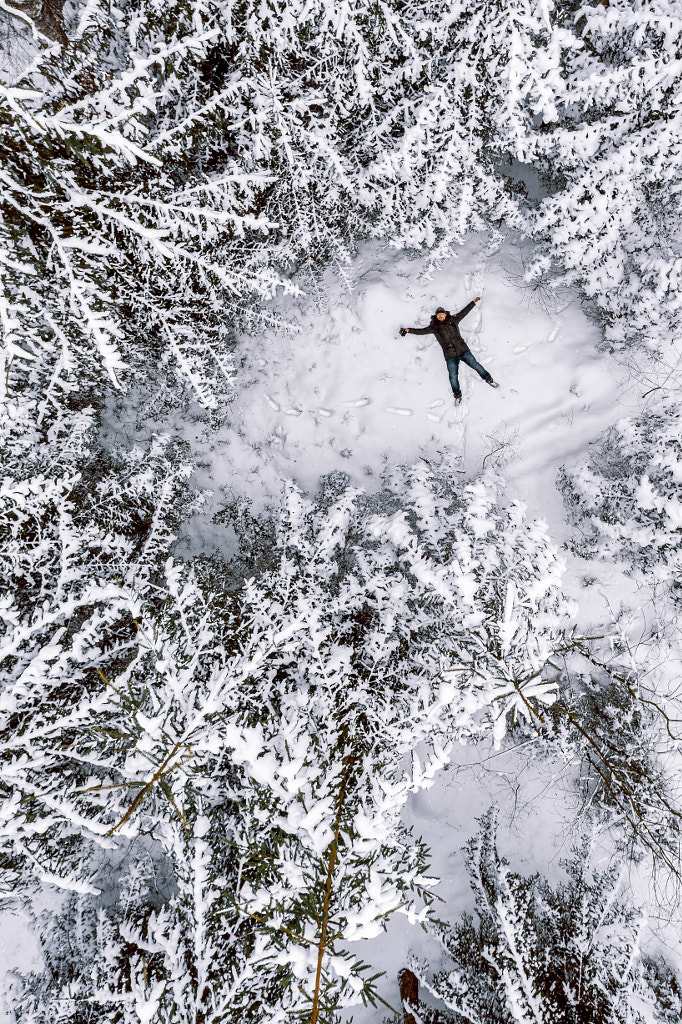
342,391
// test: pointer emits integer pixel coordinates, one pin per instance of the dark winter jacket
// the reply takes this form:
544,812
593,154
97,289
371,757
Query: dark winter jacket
447,332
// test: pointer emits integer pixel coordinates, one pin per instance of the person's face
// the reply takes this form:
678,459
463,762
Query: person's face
441,316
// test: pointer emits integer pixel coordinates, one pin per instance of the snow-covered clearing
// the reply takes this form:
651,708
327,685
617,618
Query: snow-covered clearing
345,392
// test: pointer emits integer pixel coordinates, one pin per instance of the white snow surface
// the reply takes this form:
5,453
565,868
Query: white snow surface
343,391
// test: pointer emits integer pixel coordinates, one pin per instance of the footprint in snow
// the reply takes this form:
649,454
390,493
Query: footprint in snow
519,348
358,402
272,403
296,411
437,403
398,412
432,416
324,412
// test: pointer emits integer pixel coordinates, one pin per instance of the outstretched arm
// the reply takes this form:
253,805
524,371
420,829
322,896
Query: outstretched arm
417,330
467,309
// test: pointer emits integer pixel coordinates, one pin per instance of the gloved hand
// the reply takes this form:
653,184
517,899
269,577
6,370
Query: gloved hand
403,332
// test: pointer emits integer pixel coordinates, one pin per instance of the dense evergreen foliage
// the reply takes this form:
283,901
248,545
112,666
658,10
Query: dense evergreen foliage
163,170
627,501
167,170
566,954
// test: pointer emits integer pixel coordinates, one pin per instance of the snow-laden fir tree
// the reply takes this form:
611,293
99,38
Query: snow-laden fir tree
390,121
290,723
81,528
121,247
612,221
537,953
627,501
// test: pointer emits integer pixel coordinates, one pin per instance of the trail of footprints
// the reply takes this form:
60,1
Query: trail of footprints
357,403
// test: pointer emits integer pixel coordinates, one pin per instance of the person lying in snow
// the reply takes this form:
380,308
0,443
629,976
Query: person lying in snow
446,328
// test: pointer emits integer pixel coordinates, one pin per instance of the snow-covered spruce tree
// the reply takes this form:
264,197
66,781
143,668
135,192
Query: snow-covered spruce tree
157,955
81,530
296,745
282,809
495,610
356,120
627,501
612,221
121,248
542,954
473,83
387,121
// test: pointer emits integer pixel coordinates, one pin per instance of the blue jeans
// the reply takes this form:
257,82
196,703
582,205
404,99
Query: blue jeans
453,370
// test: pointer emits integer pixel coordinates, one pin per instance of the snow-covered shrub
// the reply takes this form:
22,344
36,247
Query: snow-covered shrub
627,501
539,953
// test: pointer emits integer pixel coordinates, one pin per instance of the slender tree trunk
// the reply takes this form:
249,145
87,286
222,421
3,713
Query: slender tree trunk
409,993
